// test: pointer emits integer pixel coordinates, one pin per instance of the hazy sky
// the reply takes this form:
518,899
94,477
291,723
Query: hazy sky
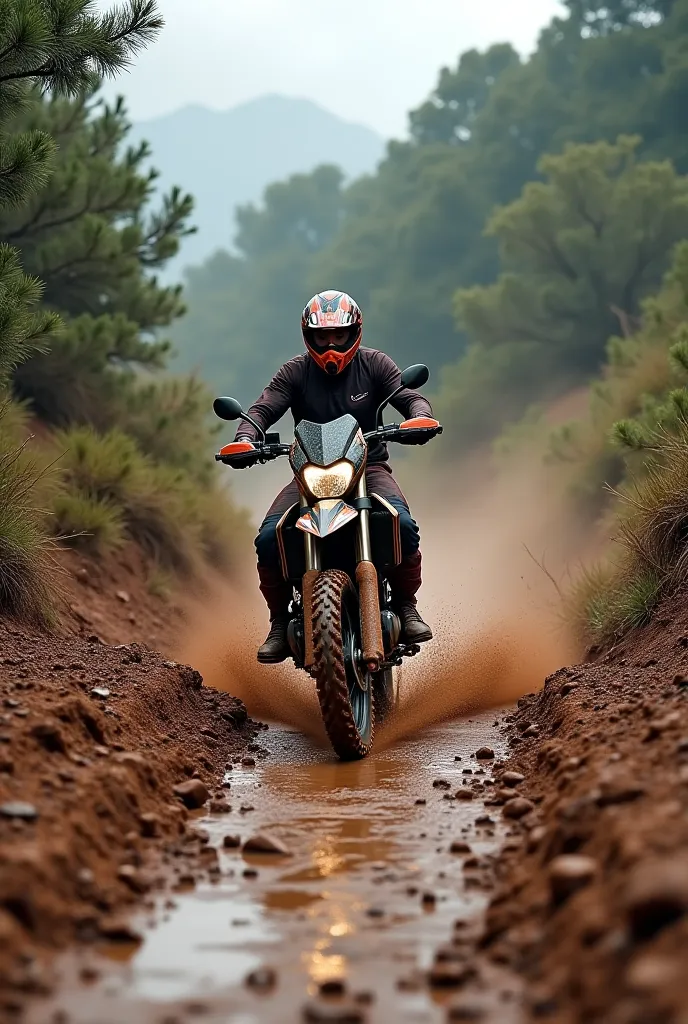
366,60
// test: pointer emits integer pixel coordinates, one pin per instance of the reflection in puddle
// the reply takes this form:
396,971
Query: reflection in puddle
347,904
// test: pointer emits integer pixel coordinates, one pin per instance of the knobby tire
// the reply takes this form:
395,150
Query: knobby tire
331,589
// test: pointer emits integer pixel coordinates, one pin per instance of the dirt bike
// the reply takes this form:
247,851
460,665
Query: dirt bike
335,545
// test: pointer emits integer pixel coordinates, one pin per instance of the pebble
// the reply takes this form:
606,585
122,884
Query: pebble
656,896
262,979
465,793
248,762
261,842
651,972
332,987
517,807
569,873
619,790
466,1009
441,784
122,596
101,692
450,974
459,846
220,806
18,809
133,878
485,754
116,930
150,824
231,842
512,779
193,793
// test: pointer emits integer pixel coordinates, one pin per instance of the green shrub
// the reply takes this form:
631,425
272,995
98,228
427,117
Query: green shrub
89,523
178,521
28,571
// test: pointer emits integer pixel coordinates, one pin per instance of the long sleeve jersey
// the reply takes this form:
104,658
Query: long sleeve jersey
311,394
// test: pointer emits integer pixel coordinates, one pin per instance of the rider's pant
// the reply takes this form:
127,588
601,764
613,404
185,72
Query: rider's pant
405,578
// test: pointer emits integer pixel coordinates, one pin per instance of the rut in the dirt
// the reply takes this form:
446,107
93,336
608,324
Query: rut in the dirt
94,743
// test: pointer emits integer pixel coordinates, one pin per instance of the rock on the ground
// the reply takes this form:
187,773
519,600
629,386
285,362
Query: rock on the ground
261,842
193,793
568,873
656,896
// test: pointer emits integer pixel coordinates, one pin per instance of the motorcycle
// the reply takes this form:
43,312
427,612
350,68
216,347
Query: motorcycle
335,545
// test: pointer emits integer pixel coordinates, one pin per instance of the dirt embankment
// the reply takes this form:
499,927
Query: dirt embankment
94,738
591,904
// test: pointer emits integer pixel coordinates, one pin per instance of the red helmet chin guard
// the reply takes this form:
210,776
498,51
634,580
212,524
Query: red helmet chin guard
332,310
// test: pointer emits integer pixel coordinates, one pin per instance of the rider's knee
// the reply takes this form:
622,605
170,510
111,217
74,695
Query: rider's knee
408,528
266,541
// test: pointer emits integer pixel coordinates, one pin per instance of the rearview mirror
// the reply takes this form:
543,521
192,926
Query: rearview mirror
415,376
227,409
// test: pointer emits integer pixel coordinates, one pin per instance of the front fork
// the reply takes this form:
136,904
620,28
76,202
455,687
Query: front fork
366,580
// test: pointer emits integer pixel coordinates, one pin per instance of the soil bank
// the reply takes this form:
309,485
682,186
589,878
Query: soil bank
591,905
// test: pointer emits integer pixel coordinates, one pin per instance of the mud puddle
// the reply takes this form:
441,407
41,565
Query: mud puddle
369,891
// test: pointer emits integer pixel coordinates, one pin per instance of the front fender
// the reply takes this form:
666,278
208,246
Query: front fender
326,517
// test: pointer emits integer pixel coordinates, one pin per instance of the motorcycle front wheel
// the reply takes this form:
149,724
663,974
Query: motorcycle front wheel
344,685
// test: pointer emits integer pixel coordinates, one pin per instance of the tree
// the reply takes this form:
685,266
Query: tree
56,46
245,309
596,18
450,113
579,252
91,236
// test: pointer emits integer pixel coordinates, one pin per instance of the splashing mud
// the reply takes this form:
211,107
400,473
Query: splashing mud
495,612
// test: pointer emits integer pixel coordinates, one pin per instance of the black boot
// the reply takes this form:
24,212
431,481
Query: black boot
276,647
413,629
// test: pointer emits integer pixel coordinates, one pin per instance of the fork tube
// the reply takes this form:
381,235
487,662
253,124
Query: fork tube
312,551
363,548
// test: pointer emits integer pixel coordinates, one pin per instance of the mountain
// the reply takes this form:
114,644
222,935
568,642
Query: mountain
225,158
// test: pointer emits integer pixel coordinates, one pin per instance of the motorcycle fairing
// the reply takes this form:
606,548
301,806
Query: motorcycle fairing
322,444
326,517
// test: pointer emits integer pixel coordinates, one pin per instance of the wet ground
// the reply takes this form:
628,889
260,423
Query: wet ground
369,891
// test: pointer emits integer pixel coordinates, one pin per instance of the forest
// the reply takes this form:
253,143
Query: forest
525,241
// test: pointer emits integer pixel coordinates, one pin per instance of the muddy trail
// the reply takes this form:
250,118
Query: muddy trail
365,910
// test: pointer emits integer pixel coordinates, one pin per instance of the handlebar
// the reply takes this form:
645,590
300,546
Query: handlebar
405,435
262,453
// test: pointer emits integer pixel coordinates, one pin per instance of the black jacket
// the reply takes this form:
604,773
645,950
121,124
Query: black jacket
312,394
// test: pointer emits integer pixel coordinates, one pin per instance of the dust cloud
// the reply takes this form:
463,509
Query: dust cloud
493,552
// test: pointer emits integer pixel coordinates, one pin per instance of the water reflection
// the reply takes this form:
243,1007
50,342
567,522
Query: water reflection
348,898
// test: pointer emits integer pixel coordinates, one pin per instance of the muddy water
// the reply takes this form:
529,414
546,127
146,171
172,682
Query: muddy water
368,894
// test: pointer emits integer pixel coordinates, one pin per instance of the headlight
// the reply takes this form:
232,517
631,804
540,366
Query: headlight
332,482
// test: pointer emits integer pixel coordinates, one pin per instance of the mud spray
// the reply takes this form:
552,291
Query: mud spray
494,610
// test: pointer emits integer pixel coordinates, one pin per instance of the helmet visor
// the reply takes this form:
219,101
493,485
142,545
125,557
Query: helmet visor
338,338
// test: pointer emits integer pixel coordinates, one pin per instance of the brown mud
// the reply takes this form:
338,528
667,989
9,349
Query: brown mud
423,884
93,738
367,914
592,905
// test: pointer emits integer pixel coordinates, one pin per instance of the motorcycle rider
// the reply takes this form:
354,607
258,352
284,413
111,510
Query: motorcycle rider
333,377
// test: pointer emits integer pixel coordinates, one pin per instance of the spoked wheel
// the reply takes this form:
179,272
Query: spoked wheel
344,685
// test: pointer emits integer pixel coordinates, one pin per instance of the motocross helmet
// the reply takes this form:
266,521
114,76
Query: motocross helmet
332,311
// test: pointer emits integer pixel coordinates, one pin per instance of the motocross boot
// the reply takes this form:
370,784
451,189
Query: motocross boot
276,647
413,629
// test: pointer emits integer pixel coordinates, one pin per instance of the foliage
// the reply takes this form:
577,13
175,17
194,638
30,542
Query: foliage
120,492
235,328
580,250
84,521
56,47
28,571
636,383
91,236
412,234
